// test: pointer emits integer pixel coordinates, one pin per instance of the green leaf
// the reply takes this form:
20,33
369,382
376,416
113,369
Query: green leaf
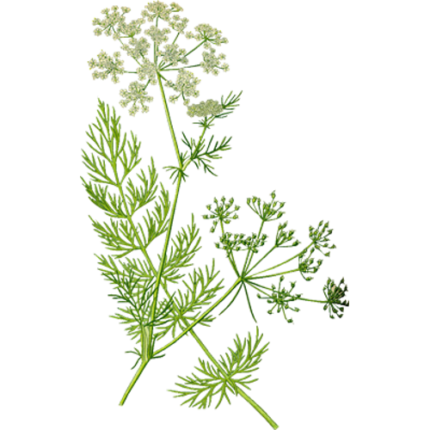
281,298
242,360
336,295
138,196
108,128
221,212
267,211
156,221
229,104
199,155
185,246
176,171
192,301
118,236
108,266
110,161
136,315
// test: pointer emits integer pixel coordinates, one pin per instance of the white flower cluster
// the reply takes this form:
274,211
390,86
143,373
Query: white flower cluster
114,16
186,85
136,98
105,65
210,59
203,108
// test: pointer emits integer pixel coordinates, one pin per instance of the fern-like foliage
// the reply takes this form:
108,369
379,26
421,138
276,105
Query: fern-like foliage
201,154
185,246
232,372
136,297
110,160
228,104
200,289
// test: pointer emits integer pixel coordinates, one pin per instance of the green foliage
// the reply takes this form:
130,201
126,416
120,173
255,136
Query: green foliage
234,371
117,236
228,105
140,211
185,246
200,290
281,299
199,156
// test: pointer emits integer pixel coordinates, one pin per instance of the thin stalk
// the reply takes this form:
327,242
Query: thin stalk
277,265
158,274
248,262
275,274
262,258
240,391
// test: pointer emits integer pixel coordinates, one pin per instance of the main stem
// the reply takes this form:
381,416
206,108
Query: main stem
158,273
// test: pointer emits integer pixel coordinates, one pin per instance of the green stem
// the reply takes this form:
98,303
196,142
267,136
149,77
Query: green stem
150,336
274,275
190,328
143,248
255,405
258,274
262,258
133,381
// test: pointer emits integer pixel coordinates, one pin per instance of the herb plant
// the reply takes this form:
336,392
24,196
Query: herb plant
161,301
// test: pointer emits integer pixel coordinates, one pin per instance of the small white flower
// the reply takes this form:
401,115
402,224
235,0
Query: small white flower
147,71
113,23
111,19
136,94
207,108
173,55
108,65
137,48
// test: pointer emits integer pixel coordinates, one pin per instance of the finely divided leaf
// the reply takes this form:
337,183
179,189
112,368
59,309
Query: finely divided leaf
138,196
185,247
117,236
199,155
157,220
242,360
202,154
228,105
200,290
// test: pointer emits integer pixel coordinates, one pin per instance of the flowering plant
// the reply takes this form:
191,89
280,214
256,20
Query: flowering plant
147,316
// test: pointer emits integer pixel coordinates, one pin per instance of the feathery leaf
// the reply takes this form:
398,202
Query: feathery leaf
243,360
191,302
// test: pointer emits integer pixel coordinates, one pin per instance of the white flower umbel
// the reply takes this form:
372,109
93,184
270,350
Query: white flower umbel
155,55
158,301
